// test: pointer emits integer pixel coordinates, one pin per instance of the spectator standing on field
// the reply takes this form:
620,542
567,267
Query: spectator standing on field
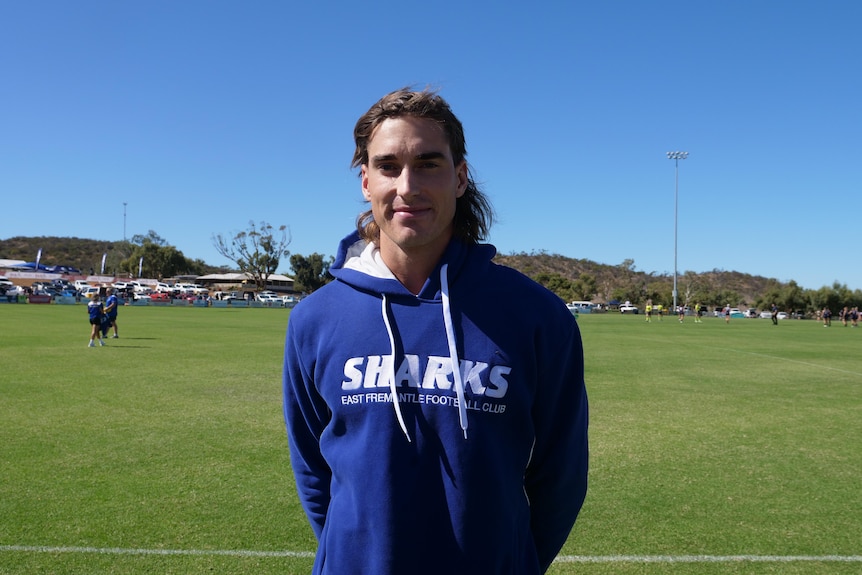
95,310
430,434
111,311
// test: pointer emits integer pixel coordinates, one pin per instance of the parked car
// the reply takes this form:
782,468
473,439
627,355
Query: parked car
224,296
782,315
766,315
268,297
162,287
629,308
89,292
14,291
580,307
160,296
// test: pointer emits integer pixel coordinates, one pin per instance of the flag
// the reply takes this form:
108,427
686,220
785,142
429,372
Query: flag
104,255
140,266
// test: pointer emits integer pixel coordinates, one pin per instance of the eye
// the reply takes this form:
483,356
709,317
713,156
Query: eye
387,167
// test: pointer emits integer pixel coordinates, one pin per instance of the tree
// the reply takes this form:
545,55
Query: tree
310,273
256,251
562,286
160,259
585,287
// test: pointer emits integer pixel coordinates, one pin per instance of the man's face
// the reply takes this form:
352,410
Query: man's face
412,184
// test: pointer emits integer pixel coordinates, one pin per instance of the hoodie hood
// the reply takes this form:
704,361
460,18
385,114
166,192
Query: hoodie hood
360,265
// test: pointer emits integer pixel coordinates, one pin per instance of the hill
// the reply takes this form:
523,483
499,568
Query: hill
623,281
609,282
84,254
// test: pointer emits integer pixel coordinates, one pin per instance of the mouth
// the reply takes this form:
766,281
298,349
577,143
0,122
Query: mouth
408,212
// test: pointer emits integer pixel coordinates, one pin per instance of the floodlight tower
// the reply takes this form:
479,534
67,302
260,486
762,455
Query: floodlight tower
676,157
124,221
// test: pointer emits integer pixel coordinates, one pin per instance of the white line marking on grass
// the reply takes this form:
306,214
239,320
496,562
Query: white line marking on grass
123,551
707,558
805,363
559,559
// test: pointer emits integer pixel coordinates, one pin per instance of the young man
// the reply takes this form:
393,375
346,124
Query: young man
434,427
111,311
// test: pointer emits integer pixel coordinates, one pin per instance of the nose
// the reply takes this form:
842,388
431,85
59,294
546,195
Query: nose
407,183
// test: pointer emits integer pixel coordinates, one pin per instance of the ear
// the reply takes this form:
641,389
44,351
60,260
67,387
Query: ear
364,179
462,176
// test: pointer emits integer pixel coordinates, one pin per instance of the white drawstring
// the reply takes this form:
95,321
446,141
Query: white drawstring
453,357
392,386
453,351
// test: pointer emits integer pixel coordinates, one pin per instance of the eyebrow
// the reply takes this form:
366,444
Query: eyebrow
422,156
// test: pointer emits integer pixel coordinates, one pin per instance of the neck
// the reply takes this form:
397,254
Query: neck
412,268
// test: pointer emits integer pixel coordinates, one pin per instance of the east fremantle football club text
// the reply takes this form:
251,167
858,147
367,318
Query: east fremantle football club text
422,398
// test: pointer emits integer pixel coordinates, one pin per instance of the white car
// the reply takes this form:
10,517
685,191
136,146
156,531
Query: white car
628,308
580,307
268,297
189,289
89,292
14,291
162,287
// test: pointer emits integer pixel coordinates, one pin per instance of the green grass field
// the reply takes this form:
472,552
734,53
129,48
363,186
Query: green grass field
716,448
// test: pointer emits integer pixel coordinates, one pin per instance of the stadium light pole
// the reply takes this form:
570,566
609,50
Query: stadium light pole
124,221
676,157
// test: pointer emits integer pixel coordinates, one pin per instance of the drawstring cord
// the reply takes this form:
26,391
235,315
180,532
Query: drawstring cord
392,386
453,351
453,356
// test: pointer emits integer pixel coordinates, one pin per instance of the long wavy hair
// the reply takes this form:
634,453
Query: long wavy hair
473,212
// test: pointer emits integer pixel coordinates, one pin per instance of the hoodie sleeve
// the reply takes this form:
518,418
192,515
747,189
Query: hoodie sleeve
306,415
556,479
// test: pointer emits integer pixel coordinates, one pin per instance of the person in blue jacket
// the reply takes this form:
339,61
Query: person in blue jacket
111,312
435,401
95,311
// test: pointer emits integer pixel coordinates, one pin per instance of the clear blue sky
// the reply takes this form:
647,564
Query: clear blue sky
205,115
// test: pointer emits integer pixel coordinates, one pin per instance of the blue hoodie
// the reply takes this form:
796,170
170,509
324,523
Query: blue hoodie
406,466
